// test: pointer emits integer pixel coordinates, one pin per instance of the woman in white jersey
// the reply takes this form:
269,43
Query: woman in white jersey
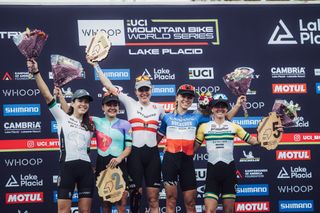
75,131
221,172
144,160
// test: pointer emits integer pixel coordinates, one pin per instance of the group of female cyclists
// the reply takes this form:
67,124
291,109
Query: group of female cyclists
136,140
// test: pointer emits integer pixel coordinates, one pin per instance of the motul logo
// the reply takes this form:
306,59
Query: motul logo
168,106
289,88
293,155
24,197
252,207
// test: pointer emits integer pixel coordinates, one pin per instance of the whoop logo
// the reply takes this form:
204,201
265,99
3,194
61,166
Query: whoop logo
113,28
278,38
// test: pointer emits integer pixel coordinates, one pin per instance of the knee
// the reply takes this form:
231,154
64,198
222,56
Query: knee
190,204
171,199
153,201
228,209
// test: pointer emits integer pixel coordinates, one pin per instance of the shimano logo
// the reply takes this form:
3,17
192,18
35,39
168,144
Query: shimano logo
247,122
21,109
252,190
318,88
115,74
296,206
164,90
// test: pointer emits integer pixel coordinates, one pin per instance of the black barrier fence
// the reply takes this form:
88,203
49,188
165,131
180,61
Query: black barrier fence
196,44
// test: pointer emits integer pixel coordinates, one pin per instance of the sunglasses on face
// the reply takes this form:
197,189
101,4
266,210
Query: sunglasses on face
143,78
220,97
144,89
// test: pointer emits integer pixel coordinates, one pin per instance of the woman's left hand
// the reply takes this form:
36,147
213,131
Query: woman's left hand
114,162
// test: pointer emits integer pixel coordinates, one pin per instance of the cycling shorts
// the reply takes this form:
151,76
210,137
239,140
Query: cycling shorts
221,179
179,166
144,162
75,173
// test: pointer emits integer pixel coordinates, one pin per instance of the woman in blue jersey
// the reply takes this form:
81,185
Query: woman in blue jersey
221,172
180,128
144,160
75,131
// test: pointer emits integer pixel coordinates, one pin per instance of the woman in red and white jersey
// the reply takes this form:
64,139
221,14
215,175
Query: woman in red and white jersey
144,160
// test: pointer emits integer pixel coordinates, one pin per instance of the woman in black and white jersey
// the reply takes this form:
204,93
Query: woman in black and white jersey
75,132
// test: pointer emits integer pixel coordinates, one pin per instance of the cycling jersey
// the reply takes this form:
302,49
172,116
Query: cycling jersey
180,131
74,139
219,139
112,136
143,119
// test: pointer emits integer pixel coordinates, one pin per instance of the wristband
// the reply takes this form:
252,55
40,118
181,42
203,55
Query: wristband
35,73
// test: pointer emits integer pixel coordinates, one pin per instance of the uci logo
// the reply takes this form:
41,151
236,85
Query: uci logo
201,73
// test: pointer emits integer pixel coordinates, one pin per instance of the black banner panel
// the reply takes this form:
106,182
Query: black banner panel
195,44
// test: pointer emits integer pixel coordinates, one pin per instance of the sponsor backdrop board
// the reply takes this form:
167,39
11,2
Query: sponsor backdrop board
173,45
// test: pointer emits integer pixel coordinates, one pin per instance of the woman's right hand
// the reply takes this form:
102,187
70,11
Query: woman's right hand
90,60
32,66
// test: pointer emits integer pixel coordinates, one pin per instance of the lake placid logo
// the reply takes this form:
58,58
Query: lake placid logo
282,35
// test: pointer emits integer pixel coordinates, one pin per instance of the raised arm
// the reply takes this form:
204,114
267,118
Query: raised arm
103,79
64,105
236,107
33,69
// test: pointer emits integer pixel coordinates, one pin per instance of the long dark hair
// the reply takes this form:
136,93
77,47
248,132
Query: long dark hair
86,123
